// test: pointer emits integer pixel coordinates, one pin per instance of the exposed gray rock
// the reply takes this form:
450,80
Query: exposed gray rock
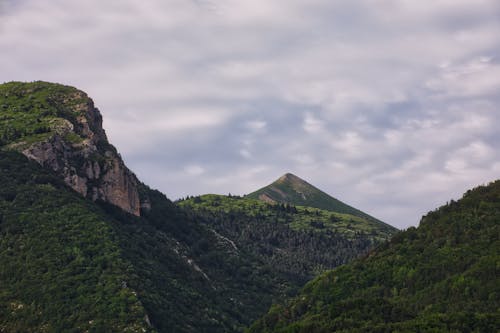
90,165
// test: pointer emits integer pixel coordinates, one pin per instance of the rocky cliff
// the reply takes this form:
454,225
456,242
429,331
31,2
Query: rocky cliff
66,135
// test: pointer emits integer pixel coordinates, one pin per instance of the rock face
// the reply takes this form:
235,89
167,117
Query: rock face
80,152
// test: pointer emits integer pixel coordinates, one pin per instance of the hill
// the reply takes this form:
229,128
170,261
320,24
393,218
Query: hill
293,190
69,264
439,277
299,242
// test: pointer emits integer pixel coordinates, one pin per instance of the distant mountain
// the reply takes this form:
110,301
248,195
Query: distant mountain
439,277
296,191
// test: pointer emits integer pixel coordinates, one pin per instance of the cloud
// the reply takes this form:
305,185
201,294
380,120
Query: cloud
194,170
256,125
478,77
245,153
391,106
312,124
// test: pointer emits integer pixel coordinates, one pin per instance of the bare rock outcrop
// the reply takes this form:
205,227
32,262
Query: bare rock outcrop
80,152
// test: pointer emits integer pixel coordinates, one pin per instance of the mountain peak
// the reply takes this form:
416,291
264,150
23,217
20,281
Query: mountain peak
291,189
289,177
291,185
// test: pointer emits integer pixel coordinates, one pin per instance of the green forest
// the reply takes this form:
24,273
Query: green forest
290,239
62,267
440,277
71,265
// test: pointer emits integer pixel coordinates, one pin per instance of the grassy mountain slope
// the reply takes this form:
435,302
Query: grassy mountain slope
439,277
295,191
32,112
298,242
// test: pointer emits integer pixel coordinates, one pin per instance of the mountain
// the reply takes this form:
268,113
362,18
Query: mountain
86,247
59,127
298,242
117,256
439,277
69,264
293,190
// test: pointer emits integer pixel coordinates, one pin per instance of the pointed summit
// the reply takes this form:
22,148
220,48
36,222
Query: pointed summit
296,191
289,177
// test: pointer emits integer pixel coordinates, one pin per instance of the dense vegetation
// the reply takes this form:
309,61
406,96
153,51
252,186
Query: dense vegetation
290,189
61,264
33,112
191,279
299,242
71,265
439,277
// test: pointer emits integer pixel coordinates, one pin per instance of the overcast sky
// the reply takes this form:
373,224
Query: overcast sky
391,106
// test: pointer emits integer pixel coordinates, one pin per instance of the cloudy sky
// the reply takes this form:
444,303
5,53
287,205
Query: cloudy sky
388,105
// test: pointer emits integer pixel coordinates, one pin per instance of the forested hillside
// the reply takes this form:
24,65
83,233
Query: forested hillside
62,268
299,242
439,277
69,264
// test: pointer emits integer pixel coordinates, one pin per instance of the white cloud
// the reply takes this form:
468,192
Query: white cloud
304,159
141,129
312,125
256,125
477,77
194,170
349,143
245,153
